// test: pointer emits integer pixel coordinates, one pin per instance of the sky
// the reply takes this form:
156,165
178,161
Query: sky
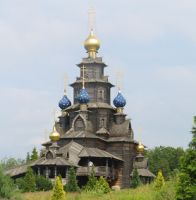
151,43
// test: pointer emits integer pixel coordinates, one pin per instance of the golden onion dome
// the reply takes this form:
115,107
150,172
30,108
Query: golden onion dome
92,44
140,147
54,135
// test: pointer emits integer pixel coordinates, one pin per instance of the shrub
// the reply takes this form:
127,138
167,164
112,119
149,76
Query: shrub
72,185
159,181
7,187
102,186
135,181
58,192
92,180
43,184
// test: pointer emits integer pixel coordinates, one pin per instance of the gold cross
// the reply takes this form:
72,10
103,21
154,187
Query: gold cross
91,18
83,79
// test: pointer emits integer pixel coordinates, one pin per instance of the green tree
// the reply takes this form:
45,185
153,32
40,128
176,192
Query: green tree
7,186
28,157
102,185
72,185
135,181
34,154
186,188
166,159
29,181
8,163
43,183
58,192
92,180
159,181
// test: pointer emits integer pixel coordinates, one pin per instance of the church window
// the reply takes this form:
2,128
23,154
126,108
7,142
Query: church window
100,94
49,155
102,122
79,124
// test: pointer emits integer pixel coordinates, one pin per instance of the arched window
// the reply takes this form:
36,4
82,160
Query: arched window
100,94
49,155
79,124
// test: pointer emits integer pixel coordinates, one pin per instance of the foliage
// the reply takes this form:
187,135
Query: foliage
92,180
72,185
7,187
166,159
159,181
43,183
8,163
34,154
58,192
186,188
27,184
135,181
102,186
28,157
143,192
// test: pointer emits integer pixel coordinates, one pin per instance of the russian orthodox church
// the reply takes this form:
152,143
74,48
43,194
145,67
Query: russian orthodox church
90,132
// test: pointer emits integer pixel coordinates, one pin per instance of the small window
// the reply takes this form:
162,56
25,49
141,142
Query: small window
79,124
49,155
100,94
103,122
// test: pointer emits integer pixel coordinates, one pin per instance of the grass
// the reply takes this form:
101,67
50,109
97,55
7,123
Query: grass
146,192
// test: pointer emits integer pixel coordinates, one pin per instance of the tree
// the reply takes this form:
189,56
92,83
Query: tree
186,187
29,181
7,186
72,185
92,180
135,181
166,159
159,181
34,154
58,192
43,183
102,185
8,163
28,157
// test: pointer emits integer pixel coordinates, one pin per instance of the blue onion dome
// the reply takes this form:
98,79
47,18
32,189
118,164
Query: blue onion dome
83,97
64,102
119,101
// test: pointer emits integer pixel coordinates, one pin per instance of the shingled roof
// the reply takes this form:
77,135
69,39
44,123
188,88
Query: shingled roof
97,153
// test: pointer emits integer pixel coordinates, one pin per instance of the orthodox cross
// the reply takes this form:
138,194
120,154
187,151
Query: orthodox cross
119,77
83,79
91,19
65,82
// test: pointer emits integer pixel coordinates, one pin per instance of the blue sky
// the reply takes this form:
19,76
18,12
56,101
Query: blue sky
153,44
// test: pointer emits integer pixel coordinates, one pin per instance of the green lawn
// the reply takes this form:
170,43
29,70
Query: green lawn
146,192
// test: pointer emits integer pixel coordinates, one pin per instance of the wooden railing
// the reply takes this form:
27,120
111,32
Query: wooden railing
99,171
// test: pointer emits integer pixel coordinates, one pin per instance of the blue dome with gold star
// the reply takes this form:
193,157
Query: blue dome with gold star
119,101
64,102
83,96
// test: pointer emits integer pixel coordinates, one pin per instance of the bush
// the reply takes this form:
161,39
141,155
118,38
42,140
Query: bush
102,186
135,181
43,184
92,180
7,187
72,185
159,181
58,192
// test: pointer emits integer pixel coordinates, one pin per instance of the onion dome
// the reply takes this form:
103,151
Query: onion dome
83,97
64,102
140,148
119,101
54,135
92,44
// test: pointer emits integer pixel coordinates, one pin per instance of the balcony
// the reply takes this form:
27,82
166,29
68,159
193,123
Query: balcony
104,171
